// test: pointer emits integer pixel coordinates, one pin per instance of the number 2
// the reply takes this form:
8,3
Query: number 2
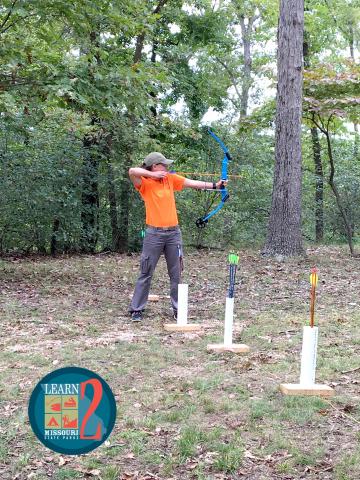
98,390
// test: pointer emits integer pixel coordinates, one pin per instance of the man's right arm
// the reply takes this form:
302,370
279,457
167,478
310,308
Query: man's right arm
136,173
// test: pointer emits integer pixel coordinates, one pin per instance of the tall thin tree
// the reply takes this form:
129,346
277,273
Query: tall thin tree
284,228
316,147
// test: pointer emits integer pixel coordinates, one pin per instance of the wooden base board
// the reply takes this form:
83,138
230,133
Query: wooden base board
174,327
298,389
234,348
156,298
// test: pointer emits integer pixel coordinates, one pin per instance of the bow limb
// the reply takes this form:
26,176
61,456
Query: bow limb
202,221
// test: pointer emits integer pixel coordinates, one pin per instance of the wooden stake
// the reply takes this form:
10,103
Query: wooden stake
181,324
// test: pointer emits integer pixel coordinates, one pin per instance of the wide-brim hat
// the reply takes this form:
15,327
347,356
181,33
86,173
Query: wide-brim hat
156,157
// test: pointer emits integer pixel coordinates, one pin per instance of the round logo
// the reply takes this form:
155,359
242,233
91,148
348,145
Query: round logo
72,410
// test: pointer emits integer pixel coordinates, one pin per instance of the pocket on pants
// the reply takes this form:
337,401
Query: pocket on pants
144,264
181,258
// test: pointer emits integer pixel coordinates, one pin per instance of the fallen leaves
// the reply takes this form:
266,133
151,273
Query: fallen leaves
139,476
63,461
271,306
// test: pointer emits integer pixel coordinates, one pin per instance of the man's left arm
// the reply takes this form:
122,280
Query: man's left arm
200,185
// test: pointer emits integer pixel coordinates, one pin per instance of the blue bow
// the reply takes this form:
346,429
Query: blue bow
202,221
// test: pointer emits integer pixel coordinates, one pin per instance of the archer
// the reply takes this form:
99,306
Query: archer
163,236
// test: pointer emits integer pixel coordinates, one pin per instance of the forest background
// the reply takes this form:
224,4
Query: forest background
86,92
87,89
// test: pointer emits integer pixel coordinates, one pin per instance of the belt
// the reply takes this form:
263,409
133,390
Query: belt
163,229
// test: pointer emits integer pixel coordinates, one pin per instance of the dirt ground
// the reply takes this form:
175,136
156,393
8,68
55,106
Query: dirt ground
184,413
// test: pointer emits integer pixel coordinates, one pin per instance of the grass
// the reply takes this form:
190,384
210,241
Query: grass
184,413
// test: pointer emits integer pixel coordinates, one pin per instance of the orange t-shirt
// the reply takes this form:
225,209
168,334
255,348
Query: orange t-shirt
159,199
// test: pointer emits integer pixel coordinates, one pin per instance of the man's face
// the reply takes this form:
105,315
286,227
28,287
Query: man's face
159,167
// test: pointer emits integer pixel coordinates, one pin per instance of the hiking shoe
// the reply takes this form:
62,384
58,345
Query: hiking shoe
136,316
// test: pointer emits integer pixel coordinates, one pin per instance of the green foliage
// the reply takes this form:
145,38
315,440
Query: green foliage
347,178
86,92
39,174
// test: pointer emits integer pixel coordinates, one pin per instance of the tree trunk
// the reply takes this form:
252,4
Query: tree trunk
319,176
124,200
319,186
90,195
90,192
124,203
152,93
246,80
352,54
123,237
53,244
351,40
357,140
348,228
284,228
115,231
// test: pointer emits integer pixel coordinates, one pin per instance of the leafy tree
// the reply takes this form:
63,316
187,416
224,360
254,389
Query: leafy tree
331,101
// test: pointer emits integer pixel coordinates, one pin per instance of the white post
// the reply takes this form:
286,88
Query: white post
308,355
182,304
229,314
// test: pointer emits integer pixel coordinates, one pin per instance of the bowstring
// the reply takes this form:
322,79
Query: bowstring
211,196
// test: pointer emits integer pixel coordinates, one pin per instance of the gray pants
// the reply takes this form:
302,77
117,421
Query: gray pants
156,242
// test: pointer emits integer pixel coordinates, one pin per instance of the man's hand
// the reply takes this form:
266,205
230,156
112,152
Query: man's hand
220,183
136,173
159,174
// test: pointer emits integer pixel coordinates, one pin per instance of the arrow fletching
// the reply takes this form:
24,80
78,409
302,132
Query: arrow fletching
233,259
314,277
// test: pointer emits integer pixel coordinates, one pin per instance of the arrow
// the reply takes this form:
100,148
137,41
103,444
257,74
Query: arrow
205,173
313,282
233,263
